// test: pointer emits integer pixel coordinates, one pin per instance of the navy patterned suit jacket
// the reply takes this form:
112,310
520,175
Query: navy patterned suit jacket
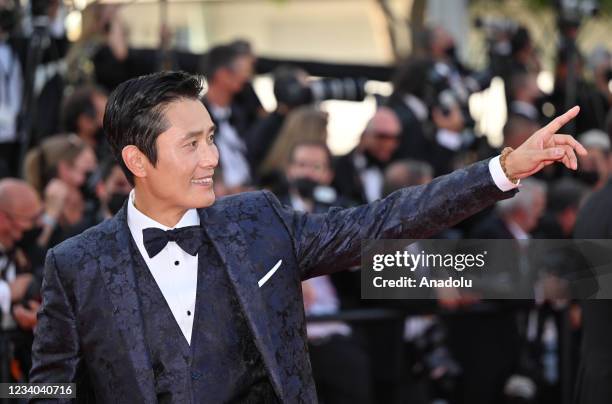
90,326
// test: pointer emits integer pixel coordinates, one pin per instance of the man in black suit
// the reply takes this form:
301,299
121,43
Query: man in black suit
227,71
595,371
178,299
360,173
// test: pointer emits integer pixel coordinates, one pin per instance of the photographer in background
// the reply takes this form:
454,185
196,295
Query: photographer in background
227,71
247,99
44,46
431,115
10,89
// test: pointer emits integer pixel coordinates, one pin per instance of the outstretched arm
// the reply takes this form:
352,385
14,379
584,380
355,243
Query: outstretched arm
326,243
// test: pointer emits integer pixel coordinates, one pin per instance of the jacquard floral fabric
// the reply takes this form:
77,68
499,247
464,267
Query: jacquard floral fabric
90,327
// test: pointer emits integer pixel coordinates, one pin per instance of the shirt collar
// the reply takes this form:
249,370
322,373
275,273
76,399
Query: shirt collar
138,221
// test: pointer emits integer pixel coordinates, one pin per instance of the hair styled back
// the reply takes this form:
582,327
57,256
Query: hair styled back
135,111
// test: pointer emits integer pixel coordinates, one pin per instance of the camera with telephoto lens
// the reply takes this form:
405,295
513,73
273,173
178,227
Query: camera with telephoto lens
440,93
290,90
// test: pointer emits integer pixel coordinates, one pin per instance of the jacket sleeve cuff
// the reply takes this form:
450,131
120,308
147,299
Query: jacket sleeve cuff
499,177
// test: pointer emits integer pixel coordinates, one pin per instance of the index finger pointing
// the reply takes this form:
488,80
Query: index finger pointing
560,121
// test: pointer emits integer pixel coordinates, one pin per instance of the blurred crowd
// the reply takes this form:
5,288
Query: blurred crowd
58,178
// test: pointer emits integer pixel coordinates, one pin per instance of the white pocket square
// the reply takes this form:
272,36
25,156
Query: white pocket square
270,273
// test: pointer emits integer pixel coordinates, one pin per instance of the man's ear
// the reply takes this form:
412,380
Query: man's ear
134,160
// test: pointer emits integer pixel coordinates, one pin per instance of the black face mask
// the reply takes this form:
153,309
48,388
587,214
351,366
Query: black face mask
116,201
305,187
8,19
451,52
29,238
99,135
589,178
88,188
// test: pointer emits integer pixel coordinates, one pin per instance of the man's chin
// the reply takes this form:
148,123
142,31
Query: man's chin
205,201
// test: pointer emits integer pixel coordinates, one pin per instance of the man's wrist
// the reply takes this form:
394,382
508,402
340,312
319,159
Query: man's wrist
505,160
499,178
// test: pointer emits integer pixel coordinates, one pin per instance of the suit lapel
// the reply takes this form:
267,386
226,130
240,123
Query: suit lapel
231,245
120,282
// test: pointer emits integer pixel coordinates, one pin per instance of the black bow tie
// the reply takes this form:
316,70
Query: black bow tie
188,238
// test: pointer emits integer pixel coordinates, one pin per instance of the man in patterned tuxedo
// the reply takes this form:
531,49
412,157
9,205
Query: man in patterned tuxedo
181,299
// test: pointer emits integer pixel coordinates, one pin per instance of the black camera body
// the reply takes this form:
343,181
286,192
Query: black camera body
292,92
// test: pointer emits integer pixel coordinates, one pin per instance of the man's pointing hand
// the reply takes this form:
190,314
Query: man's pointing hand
545,147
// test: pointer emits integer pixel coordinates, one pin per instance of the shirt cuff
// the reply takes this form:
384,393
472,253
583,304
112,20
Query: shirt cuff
499,177
5,298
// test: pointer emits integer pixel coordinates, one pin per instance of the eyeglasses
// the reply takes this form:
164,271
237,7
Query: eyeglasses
313,166
18,217
386,136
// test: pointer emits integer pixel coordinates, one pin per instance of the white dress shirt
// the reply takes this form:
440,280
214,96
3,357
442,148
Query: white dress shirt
5,291
232,149
174,270
10,93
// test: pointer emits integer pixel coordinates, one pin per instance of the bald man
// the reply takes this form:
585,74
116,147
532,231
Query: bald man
20,209
359,174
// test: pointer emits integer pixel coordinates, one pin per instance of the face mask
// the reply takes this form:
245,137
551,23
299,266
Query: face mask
116,201
305,187
589,178
8,19
99,135
451,52
87,189
29,238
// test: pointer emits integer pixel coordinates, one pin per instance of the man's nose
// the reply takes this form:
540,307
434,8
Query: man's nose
209,156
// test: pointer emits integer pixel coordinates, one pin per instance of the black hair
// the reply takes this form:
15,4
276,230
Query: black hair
78,103
565,193
519,40
287,83
242,46
412,77
135,111
220,57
